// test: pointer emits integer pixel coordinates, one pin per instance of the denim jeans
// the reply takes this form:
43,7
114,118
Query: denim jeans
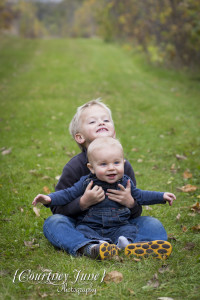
60,231
107,223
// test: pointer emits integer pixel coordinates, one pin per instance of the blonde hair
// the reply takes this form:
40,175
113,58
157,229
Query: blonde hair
102,143
74,126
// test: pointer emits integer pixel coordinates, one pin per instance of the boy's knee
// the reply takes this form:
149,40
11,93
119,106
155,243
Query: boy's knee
58,219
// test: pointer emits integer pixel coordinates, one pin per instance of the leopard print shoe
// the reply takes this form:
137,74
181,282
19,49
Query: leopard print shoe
158,249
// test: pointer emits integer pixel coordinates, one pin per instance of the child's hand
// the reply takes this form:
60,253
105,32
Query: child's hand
41,199
122,196
169,197
91,196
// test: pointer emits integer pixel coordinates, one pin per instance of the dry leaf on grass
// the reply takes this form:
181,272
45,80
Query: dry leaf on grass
36,211
46,178
196,227
184,228
6,151
196,207
187,188
113,276
152,283
180,157
187,174
31,244
46,190
178,217
163,269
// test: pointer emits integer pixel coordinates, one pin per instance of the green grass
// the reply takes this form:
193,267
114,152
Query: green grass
155,111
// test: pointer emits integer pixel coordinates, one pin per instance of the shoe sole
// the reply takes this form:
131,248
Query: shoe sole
157,249
105,251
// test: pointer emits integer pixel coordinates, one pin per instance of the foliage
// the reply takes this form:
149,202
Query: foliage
170,27
168,31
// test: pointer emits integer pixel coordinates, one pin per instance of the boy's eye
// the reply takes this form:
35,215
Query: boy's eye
106,120
116,162
103,164
91,122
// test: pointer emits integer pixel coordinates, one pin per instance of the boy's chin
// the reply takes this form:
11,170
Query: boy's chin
106,134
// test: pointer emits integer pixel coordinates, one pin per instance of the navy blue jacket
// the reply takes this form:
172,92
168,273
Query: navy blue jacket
67,195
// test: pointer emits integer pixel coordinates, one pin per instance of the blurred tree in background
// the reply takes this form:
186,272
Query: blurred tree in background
168,30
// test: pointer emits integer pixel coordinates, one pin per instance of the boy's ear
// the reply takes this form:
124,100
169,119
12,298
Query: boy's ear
90,167
79,138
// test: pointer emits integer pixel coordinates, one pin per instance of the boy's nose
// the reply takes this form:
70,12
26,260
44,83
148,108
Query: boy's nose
111,167
101,122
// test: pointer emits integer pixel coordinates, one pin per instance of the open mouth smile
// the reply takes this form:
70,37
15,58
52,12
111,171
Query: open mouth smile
102,129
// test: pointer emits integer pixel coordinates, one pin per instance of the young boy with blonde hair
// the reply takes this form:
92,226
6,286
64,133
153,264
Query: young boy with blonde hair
108,221
92,120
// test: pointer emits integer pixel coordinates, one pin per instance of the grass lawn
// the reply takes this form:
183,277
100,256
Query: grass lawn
157,119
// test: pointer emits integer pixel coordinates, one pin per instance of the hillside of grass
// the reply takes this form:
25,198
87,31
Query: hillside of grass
157,119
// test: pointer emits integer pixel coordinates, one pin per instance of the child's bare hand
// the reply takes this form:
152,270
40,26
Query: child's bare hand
122,196
91,196
169,197
41,199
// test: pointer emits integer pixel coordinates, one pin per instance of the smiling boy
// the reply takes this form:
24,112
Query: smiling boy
108,221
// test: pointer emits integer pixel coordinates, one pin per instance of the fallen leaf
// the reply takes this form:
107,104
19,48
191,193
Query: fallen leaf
196,227
32,171
155,167
113,276
152,283
140,160
36,211
180,157
31,244
173,169
57,177
46,190
187,174
131,292
191,214
136,259
172,237
6,151
178,217
44,295
184,228
196,207
118,258
46,178
135,149
188,188
163,269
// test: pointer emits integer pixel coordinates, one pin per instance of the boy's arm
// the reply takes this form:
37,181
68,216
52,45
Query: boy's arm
72,172
136,210
148,197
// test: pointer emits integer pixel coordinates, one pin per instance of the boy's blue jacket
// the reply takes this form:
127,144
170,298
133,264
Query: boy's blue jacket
67,195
